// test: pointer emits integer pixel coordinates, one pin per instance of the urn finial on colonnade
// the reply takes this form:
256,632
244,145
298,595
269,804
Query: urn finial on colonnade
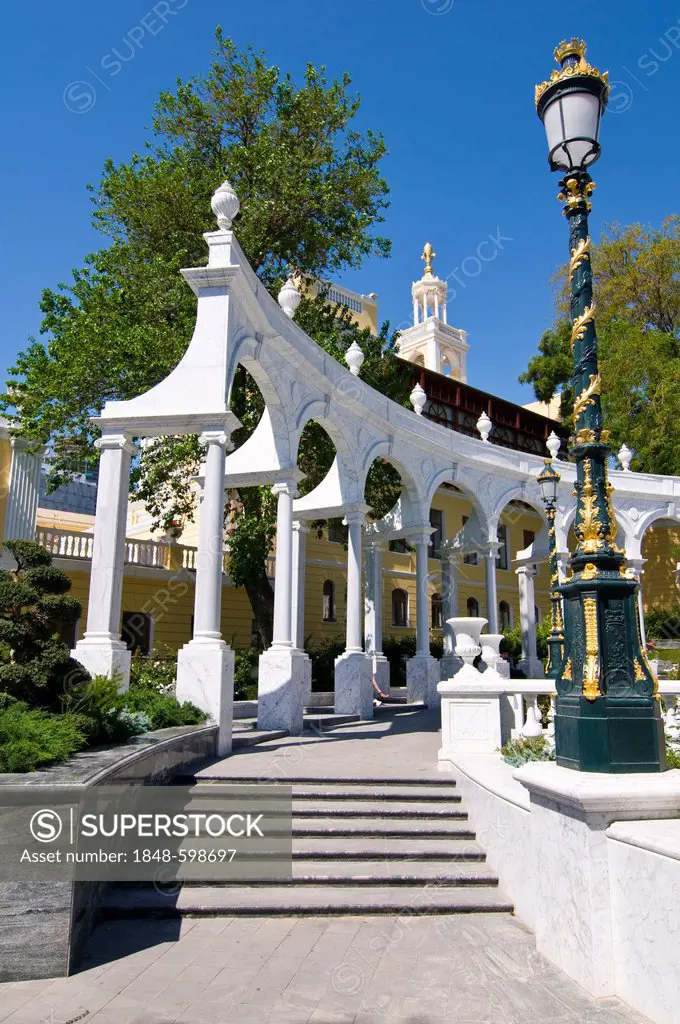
225,205
289,297
553,444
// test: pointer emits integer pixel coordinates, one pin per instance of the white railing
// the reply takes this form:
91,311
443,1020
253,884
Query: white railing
66,543
148,553
522,696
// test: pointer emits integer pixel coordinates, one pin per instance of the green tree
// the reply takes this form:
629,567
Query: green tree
311,193
34,602
637,289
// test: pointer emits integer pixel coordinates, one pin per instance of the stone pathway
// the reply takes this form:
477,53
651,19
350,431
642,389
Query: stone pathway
353,970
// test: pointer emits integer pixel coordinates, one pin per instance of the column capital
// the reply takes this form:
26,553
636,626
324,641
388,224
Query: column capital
218,437
301,526
373,543
355,514
526,570
22,444
109,442
422,534
491,549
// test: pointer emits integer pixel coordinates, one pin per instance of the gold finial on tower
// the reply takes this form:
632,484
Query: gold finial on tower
428,255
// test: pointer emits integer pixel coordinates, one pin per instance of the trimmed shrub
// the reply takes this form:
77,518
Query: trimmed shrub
34,603
31,738
160,710
101,715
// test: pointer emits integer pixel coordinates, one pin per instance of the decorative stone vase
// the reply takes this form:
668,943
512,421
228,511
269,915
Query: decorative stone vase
491,654
172,534
467,630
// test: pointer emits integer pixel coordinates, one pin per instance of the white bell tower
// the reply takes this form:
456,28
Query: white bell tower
431,342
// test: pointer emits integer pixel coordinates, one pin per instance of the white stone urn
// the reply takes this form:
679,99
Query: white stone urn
354,358
484,426
625,457
225,205
289,298
491,651
553,444
467,630
418,399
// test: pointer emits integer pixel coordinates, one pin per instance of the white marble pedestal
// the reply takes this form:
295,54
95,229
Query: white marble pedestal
104,656
570,812
205,676
285,680
422,678
471,714
449,665
353,687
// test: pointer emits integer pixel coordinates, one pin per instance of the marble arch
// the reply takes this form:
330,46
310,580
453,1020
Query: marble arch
238,321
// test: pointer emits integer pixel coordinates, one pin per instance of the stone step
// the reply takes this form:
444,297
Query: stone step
405,794
241,738
309,871
231,901
385,848
216,774
430,828
365,808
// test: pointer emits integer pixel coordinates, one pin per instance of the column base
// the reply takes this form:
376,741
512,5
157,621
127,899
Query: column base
382,671
285,679
471,714
104,656
423,674
205,676
353,688
532,668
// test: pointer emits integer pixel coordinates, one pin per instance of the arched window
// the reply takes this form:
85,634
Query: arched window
504,615
399,608
473,607
328,601
437,612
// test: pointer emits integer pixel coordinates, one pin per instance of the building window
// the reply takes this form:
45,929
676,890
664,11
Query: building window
399,607
337,532
504,615
400,546
136,632
470,559
537,615
502,559
473,607
437,612
437,521
529,537
68,633
328,614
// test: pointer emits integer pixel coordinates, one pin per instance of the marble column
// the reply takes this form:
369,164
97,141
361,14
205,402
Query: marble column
284,670
205,666
353,689
101,650
373,613
24,490
450,662
300,531
530,664
422,671
490,557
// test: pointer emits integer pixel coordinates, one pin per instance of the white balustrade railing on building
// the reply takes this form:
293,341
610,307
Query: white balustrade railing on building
66,543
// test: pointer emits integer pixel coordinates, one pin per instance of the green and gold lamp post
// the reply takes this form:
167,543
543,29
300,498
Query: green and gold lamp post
548,479
607,716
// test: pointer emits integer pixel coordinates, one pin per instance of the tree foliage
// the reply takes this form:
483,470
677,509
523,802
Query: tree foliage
311,194
34,602
636,273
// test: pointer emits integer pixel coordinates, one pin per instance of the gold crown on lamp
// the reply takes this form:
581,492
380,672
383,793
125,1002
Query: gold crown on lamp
570,48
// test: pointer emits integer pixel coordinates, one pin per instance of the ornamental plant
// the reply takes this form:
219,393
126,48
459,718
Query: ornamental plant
35,664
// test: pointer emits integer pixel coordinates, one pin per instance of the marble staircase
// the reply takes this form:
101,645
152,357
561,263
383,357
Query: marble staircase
401,845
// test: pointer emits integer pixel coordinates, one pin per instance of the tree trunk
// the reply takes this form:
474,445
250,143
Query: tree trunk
261,596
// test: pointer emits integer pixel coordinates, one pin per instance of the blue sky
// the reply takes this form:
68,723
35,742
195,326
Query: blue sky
450,84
